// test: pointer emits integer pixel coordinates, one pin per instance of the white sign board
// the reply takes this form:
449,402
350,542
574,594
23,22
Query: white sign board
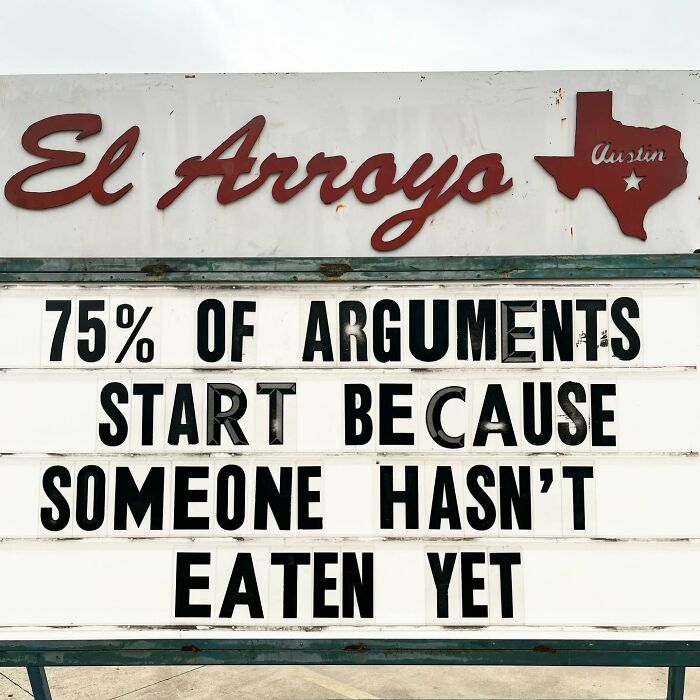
548,163
423,460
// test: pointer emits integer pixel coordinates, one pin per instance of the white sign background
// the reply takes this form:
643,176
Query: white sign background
628,568
519,115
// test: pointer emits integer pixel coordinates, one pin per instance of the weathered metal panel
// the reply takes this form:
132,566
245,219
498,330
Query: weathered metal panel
627,134
330,269
192,650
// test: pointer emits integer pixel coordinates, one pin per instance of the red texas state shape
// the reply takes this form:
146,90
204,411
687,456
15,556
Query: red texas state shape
631,167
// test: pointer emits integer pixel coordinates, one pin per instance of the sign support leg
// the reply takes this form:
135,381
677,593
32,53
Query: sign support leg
40,684
676,683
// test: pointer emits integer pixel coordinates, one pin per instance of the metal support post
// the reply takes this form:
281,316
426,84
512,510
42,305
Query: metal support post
40,684
676,683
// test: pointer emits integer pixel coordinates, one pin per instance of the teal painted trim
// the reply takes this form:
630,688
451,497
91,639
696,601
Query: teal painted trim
231,270
676,683
350,652
39,683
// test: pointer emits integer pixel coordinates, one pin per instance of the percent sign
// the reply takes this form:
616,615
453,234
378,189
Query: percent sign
145,347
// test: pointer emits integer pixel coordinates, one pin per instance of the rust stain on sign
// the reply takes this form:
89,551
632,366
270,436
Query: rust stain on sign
544,649
334,270
155,269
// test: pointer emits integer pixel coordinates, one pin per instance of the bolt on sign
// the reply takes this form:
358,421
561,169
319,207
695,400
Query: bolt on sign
398,443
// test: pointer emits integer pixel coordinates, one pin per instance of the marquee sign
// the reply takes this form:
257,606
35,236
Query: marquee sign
427,455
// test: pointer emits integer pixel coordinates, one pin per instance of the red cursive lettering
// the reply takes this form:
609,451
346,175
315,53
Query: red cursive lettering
374,179
86,125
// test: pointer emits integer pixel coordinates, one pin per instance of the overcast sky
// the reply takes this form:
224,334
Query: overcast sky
134,36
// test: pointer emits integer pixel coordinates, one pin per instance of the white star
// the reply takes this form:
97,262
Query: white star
633,181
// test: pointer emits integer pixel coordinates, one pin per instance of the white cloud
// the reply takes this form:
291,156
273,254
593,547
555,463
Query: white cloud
82,36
